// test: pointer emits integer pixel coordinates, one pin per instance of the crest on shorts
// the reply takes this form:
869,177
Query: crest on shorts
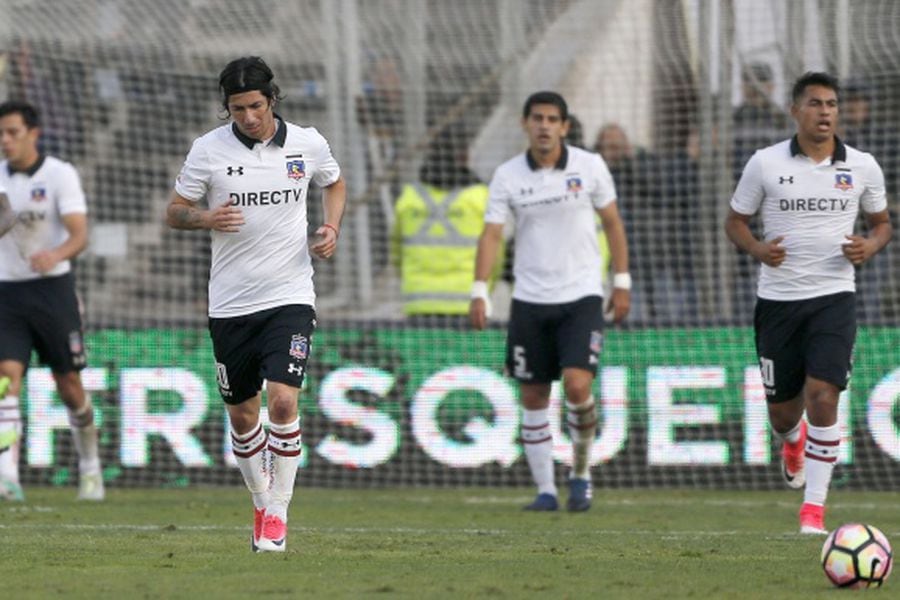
843,181
299,346
38,194
573,184
296,169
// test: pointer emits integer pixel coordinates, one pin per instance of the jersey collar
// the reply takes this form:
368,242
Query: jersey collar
839,154
560,163
30,170
278,139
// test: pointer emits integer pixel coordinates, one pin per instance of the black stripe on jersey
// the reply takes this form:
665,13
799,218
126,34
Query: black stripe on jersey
293,156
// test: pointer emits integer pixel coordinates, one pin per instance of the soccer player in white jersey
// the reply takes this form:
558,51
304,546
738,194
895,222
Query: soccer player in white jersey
43,225
809,190
254,174
556,319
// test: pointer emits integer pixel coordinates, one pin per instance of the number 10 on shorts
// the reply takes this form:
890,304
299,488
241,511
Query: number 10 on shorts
767,370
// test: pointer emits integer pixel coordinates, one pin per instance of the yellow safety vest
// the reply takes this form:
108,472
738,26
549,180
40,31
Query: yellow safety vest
434,242
604,246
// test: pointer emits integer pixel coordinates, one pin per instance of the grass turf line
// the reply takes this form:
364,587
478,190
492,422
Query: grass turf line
423,543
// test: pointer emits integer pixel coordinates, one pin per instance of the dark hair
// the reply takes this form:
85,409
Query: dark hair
575,136
814,78
29,113
546,98
444,165
246,74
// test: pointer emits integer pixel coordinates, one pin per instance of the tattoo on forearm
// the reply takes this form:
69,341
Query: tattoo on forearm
185,217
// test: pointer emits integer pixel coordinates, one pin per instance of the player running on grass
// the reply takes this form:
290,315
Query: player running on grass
43,224
556,321
809,190
254,174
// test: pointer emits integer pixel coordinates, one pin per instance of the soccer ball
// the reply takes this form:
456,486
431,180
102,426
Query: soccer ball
857,556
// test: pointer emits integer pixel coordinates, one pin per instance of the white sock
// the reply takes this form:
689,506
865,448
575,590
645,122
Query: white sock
822,445
10,427
284,446
792,436
538,443
251,456
85,437
582,421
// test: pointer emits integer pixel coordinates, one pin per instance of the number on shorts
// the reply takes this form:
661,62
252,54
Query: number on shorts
520,366
767,370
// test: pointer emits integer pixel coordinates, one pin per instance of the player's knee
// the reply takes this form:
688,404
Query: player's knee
577,388
282,408
71,392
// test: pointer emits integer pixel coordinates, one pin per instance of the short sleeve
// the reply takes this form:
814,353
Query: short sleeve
498,200
873,198
328,170
749,193
71,195
605,191
192,182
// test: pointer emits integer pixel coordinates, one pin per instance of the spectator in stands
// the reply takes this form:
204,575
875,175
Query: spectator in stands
379,110
758,121
556,322
658,199
254,174
38,306
575,135
877,302
437,220
809,190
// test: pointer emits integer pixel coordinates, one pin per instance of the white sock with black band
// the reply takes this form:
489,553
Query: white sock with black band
285,444
250,453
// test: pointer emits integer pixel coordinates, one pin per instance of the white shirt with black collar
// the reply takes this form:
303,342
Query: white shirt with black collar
266,264
814,206
40,197
557,256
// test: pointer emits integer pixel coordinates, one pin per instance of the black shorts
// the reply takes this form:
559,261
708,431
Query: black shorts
42,315
797,338
543,339
271,344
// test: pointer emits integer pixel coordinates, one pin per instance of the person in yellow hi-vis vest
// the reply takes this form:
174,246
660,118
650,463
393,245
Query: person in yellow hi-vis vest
437,221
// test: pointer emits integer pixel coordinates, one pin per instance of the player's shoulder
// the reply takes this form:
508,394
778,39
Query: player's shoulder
220,135
857,157
302,135
581,159
512,167
778,151
52,163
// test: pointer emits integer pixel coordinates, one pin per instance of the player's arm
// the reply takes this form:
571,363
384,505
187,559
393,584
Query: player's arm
334,199
858,249
7,215
485,258
185,214
614,229
77,227
737,228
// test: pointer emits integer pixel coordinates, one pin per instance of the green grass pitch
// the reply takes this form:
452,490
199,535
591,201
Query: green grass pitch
423,543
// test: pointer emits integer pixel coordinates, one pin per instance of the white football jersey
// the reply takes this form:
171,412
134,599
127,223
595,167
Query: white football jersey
39,197
813,205
557,257
266,264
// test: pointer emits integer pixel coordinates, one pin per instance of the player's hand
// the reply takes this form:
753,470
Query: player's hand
772,252
619,304
478,313
225,218
857,249
43,261
326,242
